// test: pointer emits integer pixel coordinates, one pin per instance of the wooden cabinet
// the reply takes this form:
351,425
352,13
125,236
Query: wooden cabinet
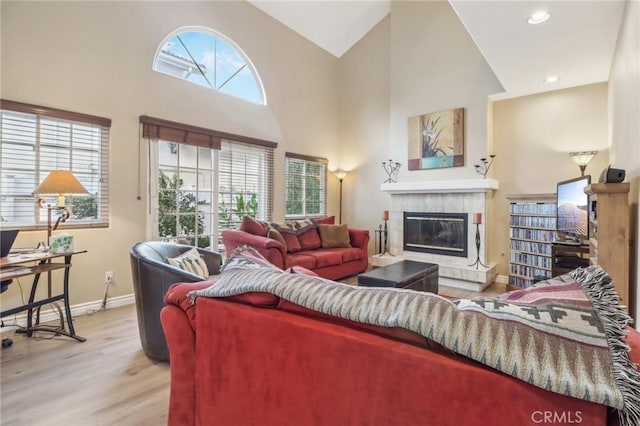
532,230
609,232
567,257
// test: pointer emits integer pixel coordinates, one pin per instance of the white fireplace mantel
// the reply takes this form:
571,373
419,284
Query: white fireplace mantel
440,186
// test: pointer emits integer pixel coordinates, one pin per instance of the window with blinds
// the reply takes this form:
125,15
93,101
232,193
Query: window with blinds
37,140
305,185
206,181
245,182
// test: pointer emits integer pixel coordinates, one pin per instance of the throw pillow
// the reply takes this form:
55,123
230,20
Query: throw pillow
295,226
274,234
310,239
190,261
253,226
292,243
327,220
333,236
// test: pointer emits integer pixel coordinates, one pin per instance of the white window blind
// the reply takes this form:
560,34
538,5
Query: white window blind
37,140
305,185
245,182
205,180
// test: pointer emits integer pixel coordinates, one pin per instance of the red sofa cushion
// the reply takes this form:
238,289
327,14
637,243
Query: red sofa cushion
310,239
351,254
325,258
327,220
252,226
301,259
292,242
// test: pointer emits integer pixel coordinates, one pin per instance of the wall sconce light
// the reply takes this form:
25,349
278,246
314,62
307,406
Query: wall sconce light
582,159
61,183
340,174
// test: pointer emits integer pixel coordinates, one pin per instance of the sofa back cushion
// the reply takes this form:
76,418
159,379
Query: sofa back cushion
310,240
253,226
327,220
274,234
291,240
298,234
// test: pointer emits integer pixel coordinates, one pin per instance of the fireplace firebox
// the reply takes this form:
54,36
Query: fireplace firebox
437,233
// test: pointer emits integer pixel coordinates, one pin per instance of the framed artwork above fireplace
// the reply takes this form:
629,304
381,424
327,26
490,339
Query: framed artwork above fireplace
436,140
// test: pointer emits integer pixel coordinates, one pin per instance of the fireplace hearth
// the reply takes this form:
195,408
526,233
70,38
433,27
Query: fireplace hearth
437,233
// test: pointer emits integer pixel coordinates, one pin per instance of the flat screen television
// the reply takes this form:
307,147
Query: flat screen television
572,221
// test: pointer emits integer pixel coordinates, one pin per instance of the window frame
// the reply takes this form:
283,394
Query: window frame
185,62
71,119
306,159
155,129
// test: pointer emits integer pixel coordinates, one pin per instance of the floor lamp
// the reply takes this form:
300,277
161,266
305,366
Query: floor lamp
60,183
340,174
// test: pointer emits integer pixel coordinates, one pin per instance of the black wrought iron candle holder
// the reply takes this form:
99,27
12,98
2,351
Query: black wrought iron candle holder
483,168
390,167
477,220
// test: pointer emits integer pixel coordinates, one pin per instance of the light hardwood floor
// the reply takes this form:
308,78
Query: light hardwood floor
106,380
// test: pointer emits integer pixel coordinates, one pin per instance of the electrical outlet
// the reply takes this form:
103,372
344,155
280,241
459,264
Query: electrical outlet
108,277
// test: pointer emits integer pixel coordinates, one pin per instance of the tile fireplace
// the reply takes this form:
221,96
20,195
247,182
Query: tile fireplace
437,231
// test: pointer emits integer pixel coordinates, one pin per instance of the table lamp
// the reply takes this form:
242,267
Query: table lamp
60,183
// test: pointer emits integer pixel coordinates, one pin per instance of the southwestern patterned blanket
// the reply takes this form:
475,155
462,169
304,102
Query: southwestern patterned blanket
565,334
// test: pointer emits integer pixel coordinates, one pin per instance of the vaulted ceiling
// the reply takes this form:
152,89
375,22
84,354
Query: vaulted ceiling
576,43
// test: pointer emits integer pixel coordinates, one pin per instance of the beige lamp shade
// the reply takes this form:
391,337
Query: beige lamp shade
340,174
61,183
582,159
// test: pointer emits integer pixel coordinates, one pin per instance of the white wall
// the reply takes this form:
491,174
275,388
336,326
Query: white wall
419,60
532,136
96,58
435,66
624,117
364,127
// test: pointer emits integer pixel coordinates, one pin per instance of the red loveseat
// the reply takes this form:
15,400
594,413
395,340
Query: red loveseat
256,359
304,249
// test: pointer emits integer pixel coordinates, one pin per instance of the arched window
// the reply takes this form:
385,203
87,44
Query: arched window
209,59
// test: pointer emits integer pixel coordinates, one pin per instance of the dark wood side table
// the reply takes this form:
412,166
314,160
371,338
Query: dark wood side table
408,274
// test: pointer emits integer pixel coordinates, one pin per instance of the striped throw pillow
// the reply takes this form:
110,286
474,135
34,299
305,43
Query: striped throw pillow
190,261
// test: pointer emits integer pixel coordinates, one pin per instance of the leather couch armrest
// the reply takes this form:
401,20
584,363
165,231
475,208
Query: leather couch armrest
271,249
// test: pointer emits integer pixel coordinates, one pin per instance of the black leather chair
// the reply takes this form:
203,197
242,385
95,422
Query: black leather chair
152,277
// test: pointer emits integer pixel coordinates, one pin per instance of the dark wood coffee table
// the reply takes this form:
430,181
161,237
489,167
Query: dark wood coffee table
409,274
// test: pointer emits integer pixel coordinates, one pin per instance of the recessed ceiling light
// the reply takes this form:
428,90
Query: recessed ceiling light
551,79
538,17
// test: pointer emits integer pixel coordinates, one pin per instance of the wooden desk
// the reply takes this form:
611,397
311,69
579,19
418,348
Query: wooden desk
16,266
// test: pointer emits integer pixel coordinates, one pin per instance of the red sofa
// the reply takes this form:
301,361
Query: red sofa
330,263
256,359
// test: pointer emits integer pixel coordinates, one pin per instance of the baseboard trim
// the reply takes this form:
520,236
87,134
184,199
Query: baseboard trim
51,314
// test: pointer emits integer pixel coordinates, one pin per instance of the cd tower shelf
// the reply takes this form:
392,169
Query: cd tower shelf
532,230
